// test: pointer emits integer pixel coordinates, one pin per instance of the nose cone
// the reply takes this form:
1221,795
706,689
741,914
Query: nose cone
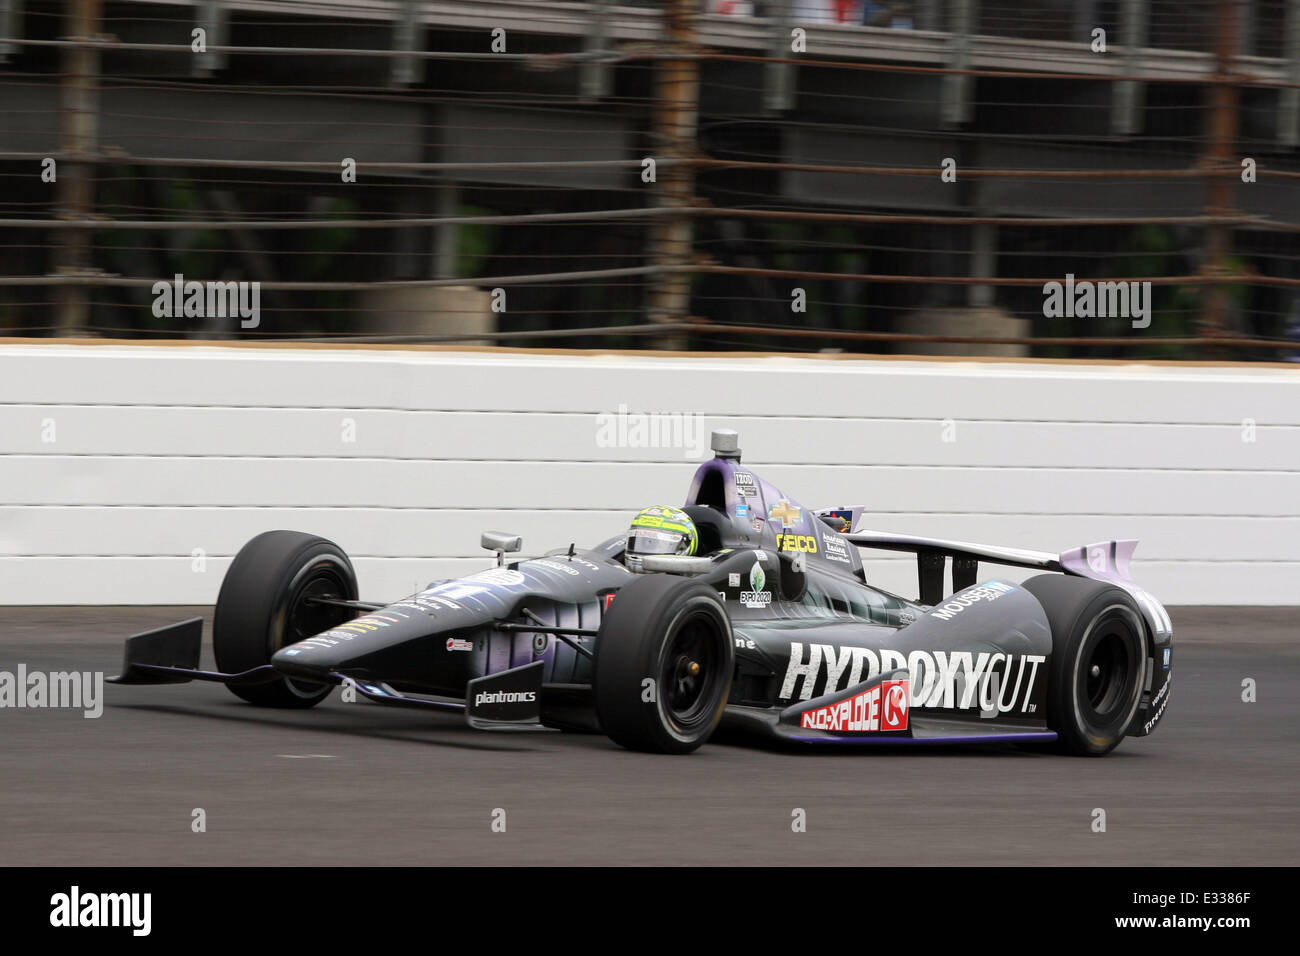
392,642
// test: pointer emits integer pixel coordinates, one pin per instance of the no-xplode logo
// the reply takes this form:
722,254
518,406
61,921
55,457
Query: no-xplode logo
879,708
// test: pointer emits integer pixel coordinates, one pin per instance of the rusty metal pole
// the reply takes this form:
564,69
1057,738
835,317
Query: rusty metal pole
78,123
1223,166
676,114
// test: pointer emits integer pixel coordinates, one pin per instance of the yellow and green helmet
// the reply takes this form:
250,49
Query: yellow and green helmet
662,530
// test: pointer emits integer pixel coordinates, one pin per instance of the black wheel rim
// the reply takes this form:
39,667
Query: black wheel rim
691,671
1106,670
304,617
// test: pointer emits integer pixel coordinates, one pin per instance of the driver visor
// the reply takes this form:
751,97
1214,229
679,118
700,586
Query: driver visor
654,541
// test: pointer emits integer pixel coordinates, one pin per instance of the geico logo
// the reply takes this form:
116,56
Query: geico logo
797,542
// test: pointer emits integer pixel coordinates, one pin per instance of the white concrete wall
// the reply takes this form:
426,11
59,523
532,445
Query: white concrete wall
158,451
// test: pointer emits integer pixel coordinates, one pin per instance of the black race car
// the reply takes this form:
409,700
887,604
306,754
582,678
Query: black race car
770,626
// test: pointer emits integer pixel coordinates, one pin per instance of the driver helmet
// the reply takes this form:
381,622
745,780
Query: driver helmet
660,530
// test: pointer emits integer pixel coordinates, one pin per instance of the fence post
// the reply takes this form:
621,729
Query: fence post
955,103
676,113
1127,95
778,87
11,16
214,18
1220,165
597,76
406,70
1288,103
78,124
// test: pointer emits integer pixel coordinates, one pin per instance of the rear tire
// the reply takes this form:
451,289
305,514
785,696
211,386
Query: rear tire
675,633
1098,664
261,608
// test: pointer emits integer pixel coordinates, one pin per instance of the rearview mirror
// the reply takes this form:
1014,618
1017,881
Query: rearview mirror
501,543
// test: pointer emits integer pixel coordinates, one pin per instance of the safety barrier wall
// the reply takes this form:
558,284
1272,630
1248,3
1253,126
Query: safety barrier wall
132,475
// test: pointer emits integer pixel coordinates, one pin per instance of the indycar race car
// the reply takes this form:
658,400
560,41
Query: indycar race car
767,624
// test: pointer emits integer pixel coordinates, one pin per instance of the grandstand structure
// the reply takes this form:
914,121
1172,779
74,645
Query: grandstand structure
793,175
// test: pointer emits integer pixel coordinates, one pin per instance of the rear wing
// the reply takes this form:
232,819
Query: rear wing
1105,561
932,556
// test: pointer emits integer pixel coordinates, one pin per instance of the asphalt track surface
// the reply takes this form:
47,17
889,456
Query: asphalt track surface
356,783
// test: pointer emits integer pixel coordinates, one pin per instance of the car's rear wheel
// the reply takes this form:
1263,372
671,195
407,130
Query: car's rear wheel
267,602
663,665
1098,661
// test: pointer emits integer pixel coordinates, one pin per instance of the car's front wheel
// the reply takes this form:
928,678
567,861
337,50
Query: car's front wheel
267,601
663,665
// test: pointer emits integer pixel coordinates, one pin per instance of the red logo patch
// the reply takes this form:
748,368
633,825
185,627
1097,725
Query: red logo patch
883,707
894,713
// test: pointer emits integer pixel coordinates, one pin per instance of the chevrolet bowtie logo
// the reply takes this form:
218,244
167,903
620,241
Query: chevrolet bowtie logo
787,514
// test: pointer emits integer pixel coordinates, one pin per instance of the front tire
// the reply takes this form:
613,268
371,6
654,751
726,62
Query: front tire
264,605
1098,661
663,665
